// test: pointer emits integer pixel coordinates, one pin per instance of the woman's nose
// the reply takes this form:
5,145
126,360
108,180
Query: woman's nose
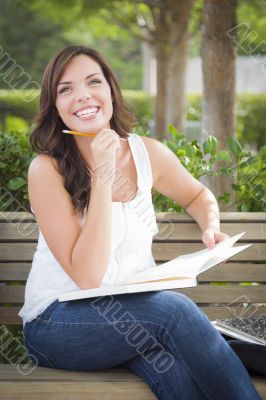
84,95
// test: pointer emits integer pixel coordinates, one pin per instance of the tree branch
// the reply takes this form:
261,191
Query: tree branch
141,15
122,24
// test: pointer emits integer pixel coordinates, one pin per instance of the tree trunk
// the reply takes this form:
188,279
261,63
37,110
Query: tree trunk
170,41
176,99
218,67
162,76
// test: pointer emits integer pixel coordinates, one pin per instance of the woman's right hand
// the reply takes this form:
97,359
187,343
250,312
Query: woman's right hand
103,153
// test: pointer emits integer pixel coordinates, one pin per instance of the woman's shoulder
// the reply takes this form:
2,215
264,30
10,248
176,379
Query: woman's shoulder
153,145
43,161
156,149
43,165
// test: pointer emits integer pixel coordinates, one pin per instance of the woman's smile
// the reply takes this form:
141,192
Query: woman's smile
87,113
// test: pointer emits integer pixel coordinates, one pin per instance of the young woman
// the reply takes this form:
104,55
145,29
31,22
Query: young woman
86,194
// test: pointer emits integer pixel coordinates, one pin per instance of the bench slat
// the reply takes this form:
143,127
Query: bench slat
167,231
182,232
54,390
200,294
18,231
14,271
16,216
17,251
161,251
168,251
9,372
227,272
226,294
224,216
235,272
56,384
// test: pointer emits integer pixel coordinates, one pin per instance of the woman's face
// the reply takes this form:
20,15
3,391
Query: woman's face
84,100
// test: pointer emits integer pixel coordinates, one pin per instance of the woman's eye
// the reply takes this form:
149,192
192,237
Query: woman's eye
95,81
64,89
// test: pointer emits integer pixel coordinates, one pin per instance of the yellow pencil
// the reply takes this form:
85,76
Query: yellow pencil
79,133
83,134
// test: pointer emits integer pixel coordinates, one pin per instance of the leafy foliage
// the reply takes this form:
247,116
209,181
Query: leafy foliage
14,104
15,157
251,111
251,119
28,37
51,25
250,185
253,15
248,170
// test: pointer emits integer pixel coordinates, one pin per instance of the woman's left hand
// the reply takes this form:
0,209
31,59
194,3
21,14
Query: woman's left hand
210,237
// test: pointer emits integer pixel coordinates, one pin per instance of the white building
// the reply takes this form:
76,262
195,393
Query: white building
250,74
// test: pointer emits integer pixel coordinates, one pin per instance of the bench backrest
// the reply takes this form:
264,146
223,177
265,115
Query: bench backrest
235,287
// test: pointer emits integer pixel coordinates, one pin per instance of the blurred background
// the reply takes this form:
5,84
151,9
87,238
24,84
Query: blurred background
193,71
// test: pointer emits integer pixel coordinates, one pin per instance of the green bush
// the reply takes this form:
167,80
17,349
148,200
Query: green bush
16,105
15,124
22,104
194,107
251,119
250,180
251,111
13,351
15,158
248,170
141,104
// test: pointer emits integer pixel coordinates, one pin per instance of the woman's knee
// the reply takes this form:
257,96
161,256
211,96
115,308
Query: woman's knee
178,304
176,310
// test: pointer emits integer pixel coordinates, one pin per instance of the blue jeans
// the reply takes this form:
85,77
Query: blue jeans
163,337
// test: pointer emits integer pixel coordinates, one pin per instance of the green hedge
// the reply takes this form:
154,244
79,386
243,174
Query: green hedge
141,104
24,104
15,158
248,170
251,111
251,118
14,102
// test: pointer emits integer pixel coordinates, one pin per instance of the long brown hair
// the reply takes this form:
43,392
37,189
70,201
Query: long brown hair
47,136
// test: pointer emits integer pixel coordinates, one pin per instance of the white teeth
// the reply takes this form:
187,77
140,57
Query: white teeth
87,111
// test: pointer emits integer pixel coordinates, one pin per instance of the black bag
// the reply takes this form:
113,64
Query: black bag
252,355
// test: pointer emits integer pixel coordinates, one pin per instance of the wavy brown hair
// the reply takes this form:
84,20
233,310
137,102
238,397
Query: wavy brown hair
47,136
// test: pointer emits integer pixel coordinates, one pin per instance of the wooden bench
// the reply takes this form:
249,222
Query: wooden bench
177,234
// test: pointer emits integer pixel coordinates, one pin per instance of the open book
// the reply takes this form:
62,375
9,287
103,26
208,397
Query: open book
180,272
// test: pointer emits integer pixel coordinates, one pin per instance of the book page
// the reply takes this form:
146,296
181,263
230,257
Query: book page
190,265
218,258
181,272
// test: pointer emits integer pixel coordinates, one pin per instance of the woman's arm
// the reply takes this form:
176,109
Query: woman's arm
205,210
82,251
91,252
172,180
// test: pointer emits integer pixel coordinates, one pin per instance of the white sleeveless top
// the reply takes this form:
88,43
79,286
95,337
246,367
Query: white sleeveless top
132,231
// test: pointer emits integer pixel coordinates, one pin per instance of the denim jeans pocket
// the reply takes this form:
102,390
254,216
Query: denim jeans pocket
46,315
33,354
